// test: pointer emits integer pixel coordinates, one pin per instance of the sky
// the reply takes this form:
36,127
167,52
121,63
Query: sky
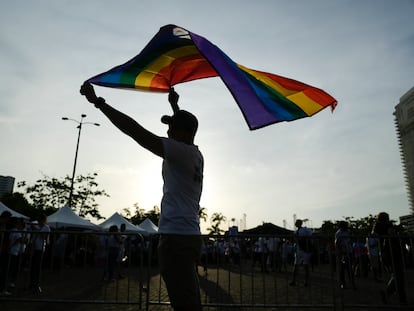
327,167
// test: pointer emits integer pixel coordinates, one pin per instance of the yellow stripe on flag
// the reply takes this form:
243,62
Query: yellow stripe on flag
143,80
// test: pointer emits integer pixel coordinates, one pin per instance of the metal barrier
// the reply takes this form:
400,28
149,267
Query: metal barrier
77,268
81,271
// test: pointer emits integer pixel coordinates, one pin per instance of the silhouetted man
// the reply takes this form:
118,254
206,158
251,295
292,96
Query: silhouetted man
182,170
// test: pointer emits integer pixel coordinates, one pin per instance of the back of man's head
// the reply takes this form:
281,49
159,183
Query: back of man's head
182,120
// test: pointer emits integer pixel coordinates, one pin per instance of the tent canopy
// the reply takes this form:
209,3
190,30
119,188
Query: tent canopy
268,228
67,218
118,220
4,208
149,226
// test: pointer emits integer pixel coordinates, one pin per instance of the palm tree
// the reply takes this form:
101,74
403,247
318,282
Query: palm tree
202,213
216,220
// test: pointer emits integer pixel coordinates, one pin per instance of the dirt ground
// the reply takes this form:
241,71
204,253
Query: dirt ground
227,288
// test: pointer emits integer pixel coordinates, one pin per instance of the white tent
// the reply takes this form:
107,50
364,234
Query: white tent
67,218
149,226
4,208
117,220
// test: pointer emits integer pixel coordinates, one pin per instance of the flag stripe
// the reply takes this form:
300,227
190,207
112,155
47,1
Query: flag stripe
299,94
175,55
159,66
275,97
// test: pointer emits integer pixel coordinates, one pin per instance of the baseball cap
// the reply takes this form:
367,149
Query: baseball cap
182,119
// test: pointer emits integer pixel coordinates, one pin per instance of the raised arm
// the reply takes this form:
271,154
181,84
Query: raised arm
126,124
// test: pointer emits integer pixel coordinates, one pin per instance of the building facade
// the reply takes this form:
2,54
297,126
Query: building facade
6,185
408,222
404,124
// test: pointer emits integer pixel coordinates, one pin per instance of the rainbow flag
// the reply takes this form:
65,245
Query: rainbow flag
176,55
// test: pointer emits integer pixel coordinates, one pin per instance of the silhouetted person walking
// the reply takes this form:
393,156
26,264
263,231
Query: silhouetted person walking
39,242
392,258
303,251
344,255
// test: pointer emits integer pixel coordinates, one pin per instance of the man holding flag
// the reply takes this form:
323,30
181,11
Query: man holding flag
182,170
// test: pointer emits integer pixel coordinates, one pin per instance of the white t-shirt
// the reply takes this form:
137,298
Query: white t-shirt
182,171
343,242
41,238
305,243
16,247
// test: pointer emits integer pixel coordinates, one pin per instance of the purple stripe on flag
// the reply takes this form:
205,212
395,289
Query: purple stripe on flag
254,112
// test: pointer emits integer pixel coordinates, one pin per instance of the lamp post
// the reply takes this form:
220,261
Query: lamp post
80,123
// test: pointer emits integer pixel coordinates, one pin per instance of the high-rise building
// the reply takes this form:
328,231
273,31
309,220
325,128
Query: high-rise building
6,185
404,124
408,222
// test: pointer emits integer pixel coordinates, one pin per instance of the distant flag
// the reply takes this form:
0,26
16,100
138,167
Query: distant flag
176,55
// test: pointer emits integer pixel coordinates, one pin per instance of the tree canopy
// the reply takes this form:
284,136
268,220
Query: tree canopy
48,194
216,221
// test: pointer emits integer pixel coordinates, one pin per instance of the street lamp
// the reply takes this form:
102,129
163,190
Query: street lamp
80,123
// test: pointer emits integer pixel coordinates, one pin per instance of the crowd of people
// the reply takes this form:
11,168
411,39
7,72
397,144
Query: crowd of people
113,252
28,247
378,255
269,253
22,245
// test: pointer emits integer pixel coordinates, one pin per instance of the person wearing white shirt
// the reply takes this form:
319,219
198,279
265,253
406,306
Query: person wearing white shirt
17,245
179,247
39,242
303,251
